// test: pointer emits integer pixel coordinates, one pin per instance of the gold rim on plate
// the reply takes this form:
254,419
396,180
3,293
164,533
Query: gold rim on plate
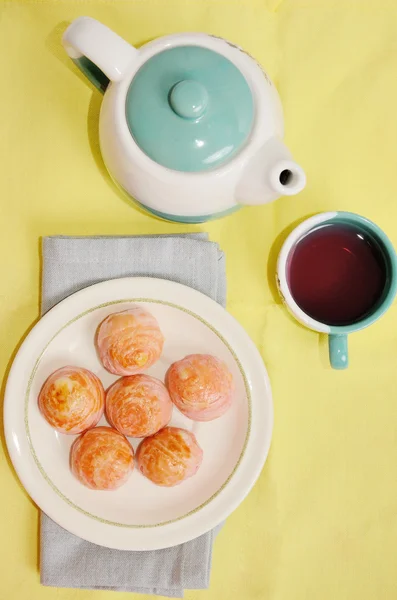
48,479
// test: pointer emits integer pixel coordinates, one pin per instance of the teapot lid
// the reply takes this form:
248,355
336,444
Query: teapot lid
189,108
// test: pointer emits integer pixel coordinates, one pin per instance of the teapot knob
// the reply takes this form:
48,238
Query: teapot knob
188,99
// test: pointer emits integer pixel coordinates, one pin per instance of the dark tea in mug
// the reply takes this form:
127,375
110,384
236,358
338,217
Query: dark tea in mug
337,273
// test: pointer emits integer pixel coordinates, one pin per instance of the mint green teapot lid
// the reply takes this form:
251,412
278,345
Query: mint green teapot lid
189,108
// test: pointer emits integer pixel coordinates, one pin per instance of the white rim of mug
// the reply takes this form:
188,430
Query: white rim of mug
282,265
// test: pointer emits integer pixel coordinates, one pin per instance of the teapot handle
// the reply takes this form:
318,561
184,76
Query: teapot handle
99,53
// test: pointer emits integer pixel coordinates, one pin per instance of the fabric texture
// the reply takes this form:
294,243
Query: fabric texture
70,264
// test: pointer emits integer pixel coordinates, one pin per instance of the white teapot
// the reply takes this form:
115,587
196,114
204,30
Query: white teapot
191,126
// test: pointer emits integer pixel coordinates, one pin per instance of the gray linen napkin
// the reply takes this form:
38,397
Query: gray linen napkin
70,264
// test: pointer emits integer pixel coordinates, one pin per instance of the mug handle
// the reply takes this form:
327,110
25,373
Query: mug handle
99,53
338,354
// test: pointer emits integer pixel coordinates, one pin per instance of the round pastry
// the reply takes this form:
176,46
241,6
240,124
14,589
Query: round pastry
201,386
72,400
129,341
102,459
169,456
138,405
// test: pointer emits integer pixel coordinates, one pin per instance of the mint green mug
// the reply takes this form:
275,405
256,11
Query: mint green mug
337,273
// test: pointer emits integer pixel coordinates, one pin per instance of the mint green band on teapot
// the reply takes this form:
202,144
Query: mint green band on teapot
92,72
338,355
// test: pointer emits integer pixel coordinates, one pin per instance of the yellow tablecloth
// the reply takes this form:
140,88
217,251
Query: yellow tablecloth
321,523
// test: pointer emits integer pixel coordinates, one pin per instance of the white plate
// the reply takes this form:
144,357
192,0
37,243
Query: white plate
140,515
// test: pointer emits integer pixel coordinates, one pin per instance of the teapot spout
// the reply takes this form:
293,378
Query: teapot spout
270,173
